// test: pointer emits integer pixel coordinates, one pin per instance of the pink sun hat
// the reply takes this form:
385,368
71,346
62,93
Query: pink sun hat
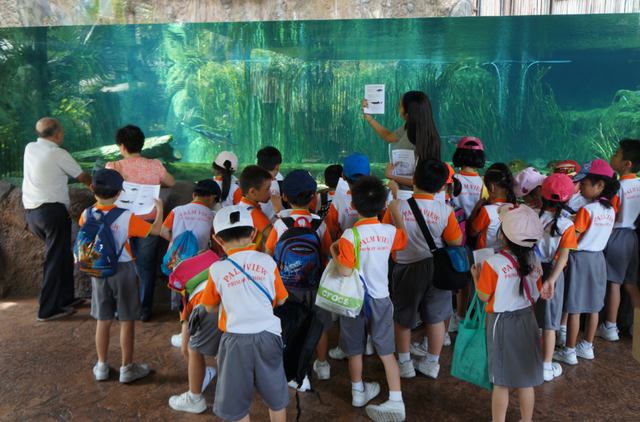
521,224
557,187
527,180
463,143
597,166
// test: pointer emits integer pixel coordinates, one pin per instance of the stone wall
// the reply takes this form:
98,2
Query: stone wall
88,12
22,253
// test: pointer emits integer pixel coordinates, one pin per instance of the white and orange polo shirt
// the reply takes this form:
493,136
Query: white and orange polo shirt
195,216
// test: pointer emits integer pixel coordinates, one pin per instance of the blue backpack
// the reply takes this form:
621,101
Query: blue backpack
183,248
299,254
95,252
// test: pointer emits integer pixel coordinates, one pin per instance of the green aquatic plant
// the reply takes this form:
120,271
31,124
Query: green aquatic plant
604,145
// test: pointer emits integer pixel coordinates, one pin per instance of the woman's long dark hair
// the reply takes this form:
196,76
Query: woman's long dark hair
226,178
500,175
522,254
559,207
421,129
611,187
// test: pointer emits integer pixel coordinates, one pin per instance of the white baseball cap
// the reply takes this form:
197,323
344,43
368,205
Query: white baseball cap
227,156
232,217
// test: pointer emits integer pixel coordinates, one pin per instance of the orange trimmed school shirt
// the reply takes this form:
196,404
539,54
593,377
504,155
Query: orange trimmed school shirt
488,223
280,227
260,221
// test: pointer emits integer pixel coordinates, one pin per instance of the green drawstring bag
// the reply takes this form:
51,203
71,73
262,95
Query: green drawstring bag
470,361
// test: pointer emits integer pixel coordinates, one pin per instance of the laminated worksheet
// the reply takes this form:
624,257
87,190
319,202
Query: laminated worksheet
374,94
407,160
138,198
481,255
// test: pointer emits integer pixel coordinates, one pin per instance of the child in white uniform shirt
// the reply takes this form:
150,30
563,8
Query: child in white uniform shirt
377,242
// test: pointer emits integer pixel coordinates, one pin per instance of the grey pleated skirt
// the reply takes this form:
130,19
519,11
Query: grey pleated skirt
585,282
549,312
514,349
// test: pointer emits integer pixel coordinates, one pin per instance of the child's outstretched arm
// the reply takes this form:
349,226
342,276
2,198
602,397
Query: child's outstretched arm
166,234
157,224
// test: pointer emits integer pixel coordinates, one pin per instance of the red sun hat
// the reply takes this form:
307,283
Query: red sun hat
463,143
557,187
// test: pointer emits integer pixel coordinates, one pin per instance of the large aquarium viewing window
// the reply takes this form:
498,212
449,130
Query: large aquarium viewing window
533,89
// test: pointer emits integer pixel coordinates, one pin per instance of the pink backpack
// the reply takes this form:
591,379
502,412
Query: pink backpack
191,272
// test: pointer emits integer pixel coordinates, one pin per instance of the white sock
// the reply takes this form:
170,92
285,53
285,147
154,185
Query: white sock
368,338
547,366
195,397
404,357
568,350
102,365
425,343
609,325
563,328
128,366
395,396
358,386
432,358
586,345
325,363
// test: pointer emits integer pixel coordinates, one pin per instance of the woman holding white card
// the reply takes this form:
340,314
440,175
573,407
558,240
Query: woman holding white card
418,134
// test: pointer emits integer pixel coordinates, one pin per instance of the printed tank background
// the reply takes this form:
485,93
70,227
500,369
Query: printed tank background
533,89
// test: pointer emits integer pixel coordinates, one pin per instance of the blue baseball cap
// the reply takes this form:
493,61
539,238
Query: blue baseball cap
107,179
299,181
354,164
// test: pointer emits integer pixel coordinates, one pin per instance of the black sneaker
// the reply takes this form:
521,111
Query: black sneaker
65,312
145,318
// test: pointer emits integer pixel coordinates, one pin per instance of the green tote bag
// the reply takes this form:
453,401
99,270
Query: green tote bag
470,362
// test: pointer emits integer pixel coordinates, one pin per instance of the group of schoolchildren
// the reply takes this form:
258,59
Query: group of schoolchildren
563,243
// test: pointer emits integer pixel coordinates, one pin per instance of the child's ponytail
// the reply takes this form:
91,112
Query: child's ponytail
522,255
226,174
559,207
456,187
611,187
500,175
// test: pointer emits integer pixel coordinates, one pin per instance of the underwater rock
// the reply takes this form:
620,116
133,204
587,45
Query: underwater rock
155,147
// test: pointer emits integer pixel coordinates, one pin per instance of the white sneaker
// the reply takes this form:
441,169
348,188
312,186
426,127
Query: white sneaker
555,372
338,354
306,385
418,320
389,411
447,339
418,349
430,369
406,369
101,373
369,350
176,341
454,324
359,399
561,337
183,403
562,355
323,371
133,372
583,352
610,334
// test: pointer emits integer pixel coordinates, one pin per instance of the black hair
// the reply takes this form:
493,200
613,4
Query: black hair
500,175
369,196
253,177
456,188
104,193
332,175
559,207
235,233
611,187
431,175
421,129
354,178
469,157
523,255
131,137
269,158
631,152
226,178
302,199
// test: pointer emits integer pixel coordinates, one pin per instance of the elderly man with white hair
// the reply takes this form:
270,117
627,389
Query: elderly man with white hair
45,196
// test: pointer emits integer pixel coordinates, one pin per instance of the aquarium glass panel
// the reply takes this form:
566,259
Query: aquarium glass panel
533,89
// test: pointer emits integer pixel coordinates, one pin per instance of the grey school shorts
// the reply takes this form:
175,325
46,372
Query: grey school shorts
549,312
622,256
310,297
119,292
246,363
353,331
413,292
206,339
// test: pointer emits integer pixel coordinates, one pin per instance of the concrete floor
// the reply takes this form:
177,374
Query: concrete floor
46,375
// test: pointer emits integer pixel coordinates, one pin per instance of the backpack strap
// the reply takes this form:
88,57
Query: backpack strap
324,198
262,289
315,224
417,214
289,222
